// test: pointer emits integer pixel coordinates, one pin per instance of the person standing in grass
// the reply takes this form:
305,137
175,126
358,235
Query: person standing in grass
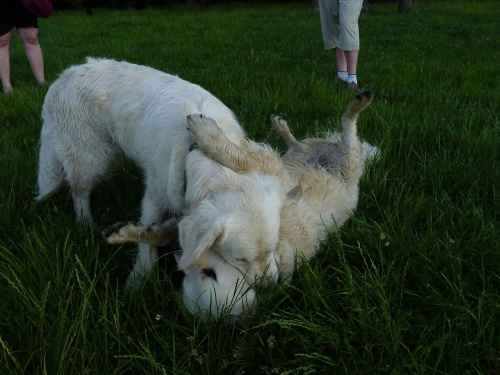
13,14
339,27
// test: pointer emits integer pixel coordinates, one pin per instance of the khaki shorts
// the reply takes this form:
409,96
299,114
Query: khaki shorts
339,23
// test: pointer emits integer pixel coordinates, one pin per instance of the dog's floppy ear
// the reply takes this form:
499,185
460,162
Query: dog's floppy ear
196,235
294,195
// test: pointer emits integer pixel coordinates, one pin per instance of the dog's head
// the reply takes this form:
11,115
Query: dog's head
212,286
242,225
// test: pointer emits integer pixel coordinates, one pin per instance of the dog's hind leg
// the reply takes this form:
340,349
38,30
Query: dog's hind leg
359,103
84,168
351,167
86,155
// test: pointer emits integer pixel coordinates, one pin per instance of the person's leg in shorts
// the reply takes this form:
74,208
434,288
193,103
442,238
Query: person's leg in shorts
27,28
14,15
5,62
349,38
29,37
339,26
6,24
330,31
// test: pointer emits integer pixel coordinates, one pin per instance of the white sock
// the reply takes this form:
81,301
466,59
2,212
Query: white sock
342,75
352,78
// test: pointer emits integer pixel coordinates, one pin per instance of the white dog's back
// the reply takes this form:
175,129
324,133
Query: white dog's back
94,110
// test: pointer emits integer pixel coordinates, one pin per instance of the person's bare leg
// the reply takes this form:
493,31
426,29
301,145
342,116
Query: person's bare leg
29,37
351,58
340,58
5,62
352,63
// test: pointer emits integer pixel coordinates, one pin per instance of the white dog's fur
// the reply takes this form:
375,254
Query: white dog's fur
215,286
96,111
328,170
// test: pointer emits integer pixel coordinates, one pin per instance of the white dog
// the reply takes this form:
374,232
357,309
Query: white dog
328,170
96,111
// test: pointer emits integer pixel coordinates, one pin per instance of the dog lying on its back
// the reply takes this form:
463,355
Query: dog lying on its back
327,170
330,188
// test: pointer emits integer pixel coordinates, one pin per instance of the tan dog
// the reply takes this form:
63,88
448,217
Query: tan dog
327,169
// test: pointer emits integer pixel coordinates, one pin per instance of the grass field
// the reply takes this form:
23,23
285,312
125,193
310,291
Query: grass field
409,286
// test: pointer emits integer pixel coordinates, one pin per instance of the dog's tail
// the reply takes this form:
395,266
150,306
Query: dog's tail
352,166
50,169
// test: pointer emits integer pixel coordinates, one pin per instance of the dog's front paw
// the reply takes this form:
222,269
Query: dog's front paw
279,124
202,128
198,123
113,234
193,120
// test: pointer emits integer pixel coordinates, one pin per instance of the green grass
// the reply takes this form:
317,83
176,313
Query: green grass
409,286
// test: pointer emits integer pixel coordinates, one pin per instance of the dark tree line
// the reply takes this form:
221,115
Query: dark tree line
404,6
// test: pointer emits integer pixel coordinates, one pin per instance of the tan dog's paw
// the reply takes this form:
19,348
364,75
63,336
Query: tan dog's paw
360,102
280,126
365,97
203,129
114,233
